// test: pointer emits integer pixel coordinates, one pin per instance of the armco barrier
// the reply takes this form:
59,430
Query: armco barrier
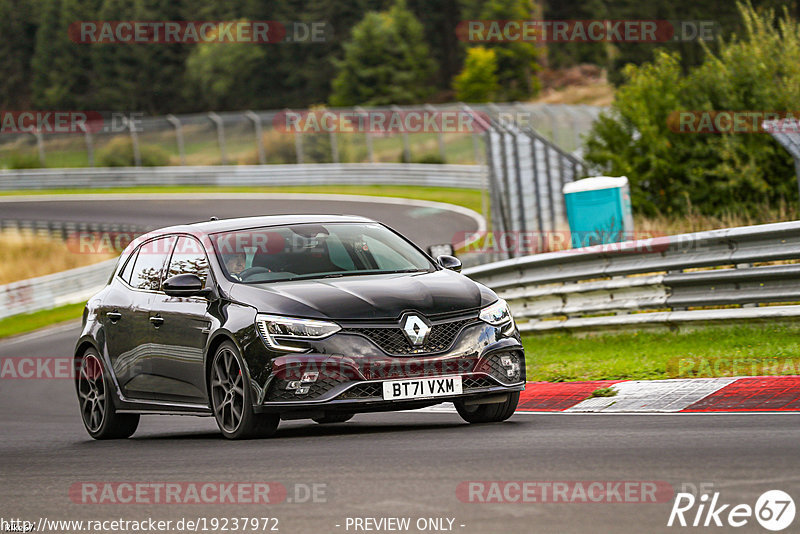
413,174
721,275
50,291
689,278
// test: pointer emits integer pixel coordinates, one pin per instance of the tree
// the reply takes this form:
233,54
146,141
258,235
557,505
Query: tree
440,19
221,74
715,173
386,61
478,81
517,61
45,53
62,67
140,76
16,50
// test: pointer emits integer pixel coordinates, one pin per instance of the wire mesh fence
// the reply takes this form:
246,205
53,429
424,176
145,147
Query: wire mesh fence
250,138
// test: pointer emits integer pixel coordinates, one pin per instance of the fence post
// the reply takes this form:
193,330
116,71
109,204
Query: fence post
367,134
406,144
137,154
439,135
40,147
298,144
176,123
334,147
262,157
220,136
89,147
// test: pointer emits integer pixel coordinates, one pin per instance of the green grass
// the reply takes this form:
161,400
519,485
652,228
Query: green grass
28,322
650,355
467,198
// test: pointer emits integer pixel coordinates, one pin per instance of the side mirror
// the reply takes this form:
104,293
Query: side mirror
185,285
450,262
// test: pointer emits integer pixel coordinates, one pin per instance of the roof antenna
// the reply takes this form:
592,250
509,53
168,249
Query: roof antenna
214,218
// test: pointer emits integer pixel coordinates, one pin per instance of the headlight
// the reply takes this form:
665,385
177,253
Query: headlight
496,314
275,329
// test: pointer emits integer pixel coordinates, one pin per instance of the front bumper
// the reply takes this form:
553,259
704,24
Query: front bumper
354,383
367,395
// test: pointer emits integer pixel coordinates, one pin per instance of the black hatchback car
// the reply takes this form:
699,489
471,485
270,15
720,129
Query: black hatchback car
259,319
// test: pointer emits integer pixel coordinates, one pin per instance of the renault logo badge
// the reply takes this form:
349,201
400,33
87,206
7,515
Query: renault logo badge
416,329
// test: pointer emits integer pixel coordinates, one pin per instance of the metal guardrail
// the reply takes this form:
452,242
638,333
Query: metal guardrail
50,291
432,175
720,275
709,276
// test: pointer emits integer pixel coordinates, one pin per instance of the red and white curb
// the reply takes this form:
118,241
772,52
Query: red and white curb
742,394
689,395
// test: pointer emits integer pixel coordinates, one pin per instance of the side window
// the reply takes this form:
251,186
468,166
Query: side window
149,267
188,258
126,272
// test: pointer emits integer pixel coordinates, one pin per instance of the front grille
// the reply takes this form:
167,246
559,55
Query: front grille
279,393
363,391
393,341
472,382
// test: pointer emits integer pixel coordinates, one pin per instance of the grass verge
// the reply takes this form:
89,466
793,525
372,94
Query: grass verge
467,198
28,322
27,255
713,351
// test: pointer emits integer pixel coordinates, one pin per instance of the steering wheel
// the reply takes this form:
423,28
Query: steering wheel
247,273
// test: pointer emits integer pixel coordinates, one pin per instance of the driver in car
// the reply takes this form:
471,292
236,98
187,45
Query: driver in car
236,263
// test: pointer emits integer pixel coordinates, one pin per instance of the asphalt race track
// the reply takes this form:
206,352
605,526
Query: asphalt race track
424,223
396,464
379,465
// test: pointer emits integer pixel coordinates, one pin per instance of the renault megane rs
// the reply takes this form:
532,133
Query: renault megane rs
259,319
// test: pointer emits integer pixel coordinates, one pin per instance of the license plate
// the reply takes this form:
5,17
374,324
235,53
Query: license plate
420,388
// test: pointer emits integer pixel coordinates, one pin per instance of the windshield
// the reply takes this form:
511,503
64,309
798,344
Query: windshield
308,251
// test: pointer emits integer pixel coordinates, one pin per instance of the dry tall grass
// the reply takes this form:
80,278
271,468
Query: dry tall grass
26,255
696,222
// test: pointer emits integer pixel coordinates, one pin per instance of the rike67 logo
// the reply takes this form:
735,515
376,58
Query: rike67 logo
774,510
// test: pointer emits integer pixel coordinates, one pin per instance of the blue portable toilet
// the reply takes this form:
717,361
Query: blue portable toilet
599,210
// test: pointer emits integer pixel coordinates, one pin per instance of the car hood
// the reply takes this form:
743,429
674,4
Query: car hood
366,297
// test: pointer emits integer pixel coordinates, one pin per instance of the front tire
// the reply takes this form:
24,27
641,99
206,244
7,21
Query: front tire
231,398
98,413
488,413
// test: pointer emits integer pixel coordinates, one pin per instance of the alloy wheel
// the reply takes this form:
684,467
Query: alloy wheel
92,393
227,390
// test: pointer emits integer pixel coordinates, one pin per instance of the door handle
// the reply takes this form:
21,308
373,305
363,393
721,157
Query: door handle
157,321
114,316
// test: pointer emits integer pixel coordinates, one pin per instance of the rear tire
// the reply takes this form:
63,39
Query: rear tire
231,398
488,413
98,413
333,417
